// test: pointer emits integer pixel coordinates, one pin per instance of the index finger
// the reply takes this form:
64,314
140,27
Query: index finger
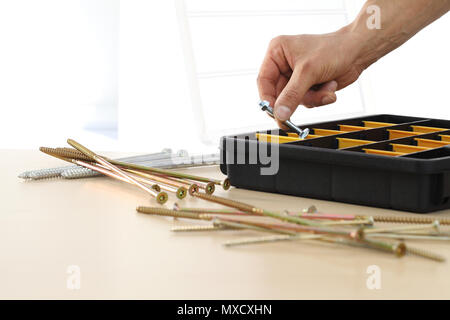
267,80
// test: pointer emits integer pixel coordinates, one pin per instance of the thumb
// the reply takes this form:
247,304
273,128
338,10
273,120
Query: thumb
292,94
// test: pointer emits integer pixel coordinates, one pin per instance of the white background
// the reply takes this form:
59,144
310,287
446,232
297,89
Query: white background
140,75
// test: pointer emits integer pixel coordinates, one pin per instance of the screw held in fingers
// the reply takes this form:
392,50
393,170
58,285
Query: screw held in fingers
265,106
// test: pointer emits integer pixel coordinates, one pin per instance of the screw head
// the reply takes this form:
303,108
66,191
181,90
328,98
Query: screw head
193,188
210,188
226,184
310,209
305,133
264,104
400,249
161,197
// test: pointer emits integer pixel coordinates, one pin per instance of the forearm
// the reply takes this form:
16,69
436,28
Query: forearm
399,21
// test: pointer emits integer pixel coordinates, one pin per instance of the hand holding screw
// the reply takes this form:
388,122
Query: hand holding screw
265,106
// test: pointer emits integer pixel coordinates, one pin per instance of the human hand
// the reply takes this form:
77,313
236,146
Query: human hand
307,70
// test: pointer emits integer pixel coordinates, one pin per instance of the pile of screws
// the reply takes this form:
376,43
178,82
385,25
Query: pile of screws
349,230
155,181
164,160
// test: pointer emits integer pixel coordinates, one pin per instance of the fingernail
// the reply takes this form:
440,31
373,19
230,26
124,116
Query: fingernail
328,99
282,113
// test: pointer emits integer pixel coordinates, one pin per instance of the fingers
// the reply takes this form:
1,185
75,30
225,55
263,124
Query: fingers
267,80
293,93
324,95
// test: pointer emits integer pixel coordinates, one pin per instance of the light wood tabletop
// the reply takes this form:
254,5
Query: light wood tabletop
52,227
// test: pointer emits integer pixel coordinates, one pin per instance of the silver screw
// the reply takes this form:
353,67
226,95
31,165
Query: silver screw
265,106
57,172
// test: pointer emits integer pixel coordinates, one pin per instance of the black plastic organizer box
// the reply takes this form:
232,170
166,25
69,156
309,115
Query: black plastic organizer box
386,161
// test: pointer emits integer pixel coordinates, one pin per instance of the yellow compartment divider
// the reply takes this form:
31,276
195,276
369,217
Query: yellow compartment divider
407,148
431,143
445,137
348,128
423,129
395,134
376,124
348,143
384,152
264,137
326,132
292,134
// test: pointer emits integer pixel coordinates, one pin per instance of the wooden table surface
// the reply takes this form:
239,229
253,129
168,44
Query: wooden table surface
47,226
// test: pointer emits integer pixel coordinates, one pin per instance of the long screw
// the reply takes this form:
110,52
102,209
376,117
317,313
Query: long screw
399,249
81,155
294,228
44,173
169,213
225,184
240,213
432,226
71,172
161,197
77,172
166,180
66,153
155,190
241,225
409,236
376,218
253,210
272,238
197,228
409,219
176,206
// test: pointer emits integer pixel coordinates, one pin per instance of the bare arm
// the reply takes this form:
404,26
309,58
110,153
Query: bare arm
308,69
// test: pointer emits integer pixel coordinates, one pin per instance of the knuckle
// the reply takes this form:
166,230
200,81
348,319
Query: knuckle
307,65
276,41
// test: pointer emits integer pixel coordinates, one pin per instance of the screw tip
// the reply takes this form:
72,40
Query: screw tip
23,175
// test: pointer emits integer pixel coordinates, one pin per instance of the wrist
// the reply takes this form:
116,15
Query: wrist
366,44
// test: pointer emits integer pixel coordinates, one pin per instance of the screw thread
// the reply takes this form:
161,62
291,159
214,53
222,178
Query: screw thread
196,228
77,173
65,153
415,220
425,254
167,212
45,173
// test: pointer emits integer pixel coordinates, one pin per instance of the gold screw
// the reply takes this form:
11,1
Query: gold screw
197,228
170,213
65,153
425,254
409,219
160,197
273,238
434,226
